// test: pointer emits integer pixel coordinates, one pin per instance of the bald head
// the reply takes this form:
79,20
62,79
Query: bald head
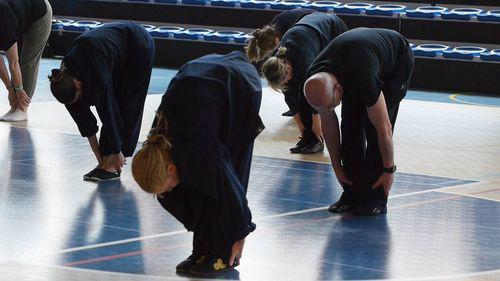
318,90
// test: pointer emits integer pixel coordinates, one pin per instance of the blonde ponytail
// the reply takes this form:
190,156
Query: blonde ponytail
274,70
149,165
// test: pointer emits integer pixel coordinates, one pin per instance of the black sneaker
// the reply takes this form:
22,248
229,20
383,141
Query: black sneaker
212,265
313,148
341,206
88,175
299,146
287,114
186,265
371,210
102,175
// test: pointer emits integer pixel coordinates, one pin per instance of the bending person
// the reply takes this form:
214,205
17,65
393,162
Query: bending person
197,157
286,71
27,22
110,68
368,70
266,39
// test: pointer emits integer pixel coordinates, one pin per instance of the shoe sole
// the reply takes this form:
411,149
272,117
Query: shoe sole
340,211
99,179
311,152
213,273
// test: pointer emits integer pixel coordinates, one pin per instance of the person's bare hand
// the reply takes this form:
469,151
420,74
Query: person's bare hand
385,181
113,162
341,176
236,251
13,98
23,98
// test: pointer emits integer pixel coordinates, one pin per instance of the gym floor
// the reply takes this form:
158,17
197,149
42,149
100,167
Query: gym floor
443,219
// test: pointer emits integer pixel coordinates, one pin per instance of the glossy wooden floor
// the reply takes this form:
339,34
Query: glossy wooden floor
443,220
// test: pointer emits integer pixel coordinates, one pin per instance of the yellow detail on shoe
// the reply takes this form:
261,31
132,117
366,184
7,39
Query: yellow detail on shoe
219,265
200,259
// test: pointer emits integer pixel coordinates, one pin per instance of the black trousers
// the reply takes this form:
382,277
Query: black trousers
306,116
216,226
299,104
132,86
360,152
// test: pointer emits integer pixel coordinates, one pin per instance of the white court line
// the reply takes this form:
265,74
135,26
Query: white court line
124,241
166,234
136,277
471,195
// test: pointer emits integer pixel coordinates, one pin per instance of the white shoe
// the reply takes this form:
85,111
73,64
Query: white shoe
16,116
11,110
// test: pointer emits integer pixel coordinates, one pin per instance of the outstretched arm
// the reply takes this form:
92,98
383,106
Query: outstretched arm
380,119
94,144
17,79
331,132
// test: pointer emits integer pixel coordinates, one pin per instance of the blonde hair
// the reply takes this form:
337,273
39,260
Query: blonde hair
262,42
274,70
149,165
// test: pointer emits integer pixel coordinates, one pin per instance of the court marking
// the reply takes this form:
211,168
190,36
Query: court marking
395,196
166,277
166,234
301,223
455,99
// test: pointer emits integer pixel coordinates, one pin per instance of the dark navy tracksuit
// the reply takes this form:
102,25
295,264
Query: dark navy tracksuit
114,63
212,107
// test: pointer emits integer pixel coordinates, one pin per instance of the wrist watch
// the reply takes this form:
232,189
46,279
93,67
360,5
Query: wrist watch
390,170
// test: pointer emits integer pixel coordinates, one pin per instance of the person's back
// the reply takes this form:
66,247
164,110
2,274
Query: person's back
306,39
327,26
110,41
363,48
362,59
285,20
229,81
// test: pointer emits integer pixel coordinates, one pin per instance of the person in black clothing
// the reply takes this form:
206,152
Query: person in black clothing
24,30
110,68
266,39
198,154
286,71
368,70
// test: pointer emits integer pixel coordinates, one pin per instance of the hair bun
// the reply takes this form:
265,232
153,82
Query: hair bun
158,140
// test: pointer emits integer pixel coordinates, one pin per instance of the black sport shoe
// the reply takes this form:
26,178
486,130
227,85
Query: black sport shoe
99,174
287,114
312,148
299,146
88,175
341,206
371,209
186,265
212,265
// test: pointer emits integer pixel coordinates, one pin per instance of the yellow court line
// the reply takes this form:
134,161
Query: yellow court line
455,99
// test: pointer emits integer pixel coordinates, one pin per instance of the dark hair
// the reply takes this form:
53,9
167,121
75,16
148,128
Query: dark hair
62,85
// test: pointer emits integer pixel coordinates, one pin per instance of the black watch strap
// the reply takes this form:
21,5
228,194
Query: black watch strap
390,170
